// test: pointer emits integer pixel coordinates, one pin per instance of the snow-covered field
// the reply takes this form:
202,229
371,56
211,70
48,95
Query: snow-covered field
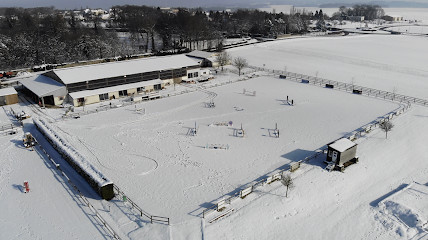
153,159
421,29
380,62
412,14
50,210
168,173
346,205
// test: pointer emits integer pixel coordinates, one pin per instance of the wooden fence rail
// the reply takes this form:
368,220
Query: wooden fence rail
152,218
8,127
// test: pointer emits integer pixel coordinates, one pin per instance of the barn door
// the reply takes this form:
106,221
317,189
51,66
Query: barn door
334,157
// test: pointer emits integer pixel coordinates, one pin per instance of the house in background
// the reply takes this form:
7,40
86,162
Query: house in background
356,18
392,18
396,18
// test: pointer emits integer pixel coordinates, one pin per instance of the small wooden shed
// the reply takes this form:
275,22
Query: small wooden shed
341,153
8,96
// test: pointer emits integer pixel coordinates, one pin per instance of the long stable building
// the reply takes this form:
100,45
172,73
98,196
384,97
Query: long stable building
94,83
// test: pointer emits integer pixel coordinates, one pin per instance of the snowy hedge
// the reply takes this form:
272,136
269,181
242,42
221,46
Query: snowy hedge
94,177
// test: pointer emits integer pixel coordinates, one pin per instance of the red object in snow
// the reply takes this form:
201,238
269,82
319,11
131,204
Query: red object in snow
26,186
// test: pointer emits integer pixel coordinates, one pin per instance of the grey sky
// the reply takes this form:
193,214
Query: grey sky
105,4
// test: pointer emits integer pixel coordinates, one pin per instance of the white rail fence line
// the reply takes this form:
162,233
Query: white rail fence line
13,125
347,87
83,198
243,192
152,218
248,189
9,127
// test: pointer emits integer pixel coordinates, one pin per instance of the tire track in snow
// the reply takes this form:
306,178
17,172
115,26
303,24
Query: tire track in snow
115,152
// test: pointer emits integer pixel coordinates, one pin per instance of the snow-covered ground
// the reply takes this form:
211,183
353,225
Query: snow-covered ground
50,210
338,205
166,172
410,29
411,14
380,62
137,150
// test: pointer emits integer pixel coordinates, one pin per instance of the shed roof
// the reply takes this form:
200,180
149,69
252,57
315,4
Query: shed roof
7,91
122,68
42,86
342,144
199,54
98,91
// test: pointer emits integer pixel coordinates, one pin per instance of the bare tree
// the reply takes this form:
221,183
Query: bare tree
240,63
394,92
386,126
287,181
223,59
352,82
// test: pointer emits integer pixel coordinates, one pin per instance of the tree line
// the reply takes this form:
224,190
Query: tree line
35,36
30,37
370,12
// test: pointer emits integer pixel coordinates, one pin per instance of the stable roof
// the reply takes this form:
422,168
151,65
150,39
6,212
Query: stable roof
7,91
199,54
123,68
342,144
43,86
99,91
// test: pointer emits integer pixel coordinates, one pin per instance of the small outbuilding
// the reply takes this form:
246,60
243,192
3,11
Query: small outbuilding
340,154
8,96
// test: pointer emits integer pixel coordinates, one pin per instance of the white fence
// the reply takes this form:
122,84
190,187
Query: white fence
152,218
354,135
347,87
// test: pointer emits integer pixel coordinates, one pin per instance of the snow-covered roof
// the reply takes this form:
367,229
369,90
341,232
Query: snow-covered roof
94,92
199,54
122,68
43,86
7,91
342,144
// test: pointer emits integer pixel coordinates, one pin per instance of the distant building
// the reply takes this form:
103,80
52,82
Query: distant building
396,18
356,18
98,82
393,18
8,96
